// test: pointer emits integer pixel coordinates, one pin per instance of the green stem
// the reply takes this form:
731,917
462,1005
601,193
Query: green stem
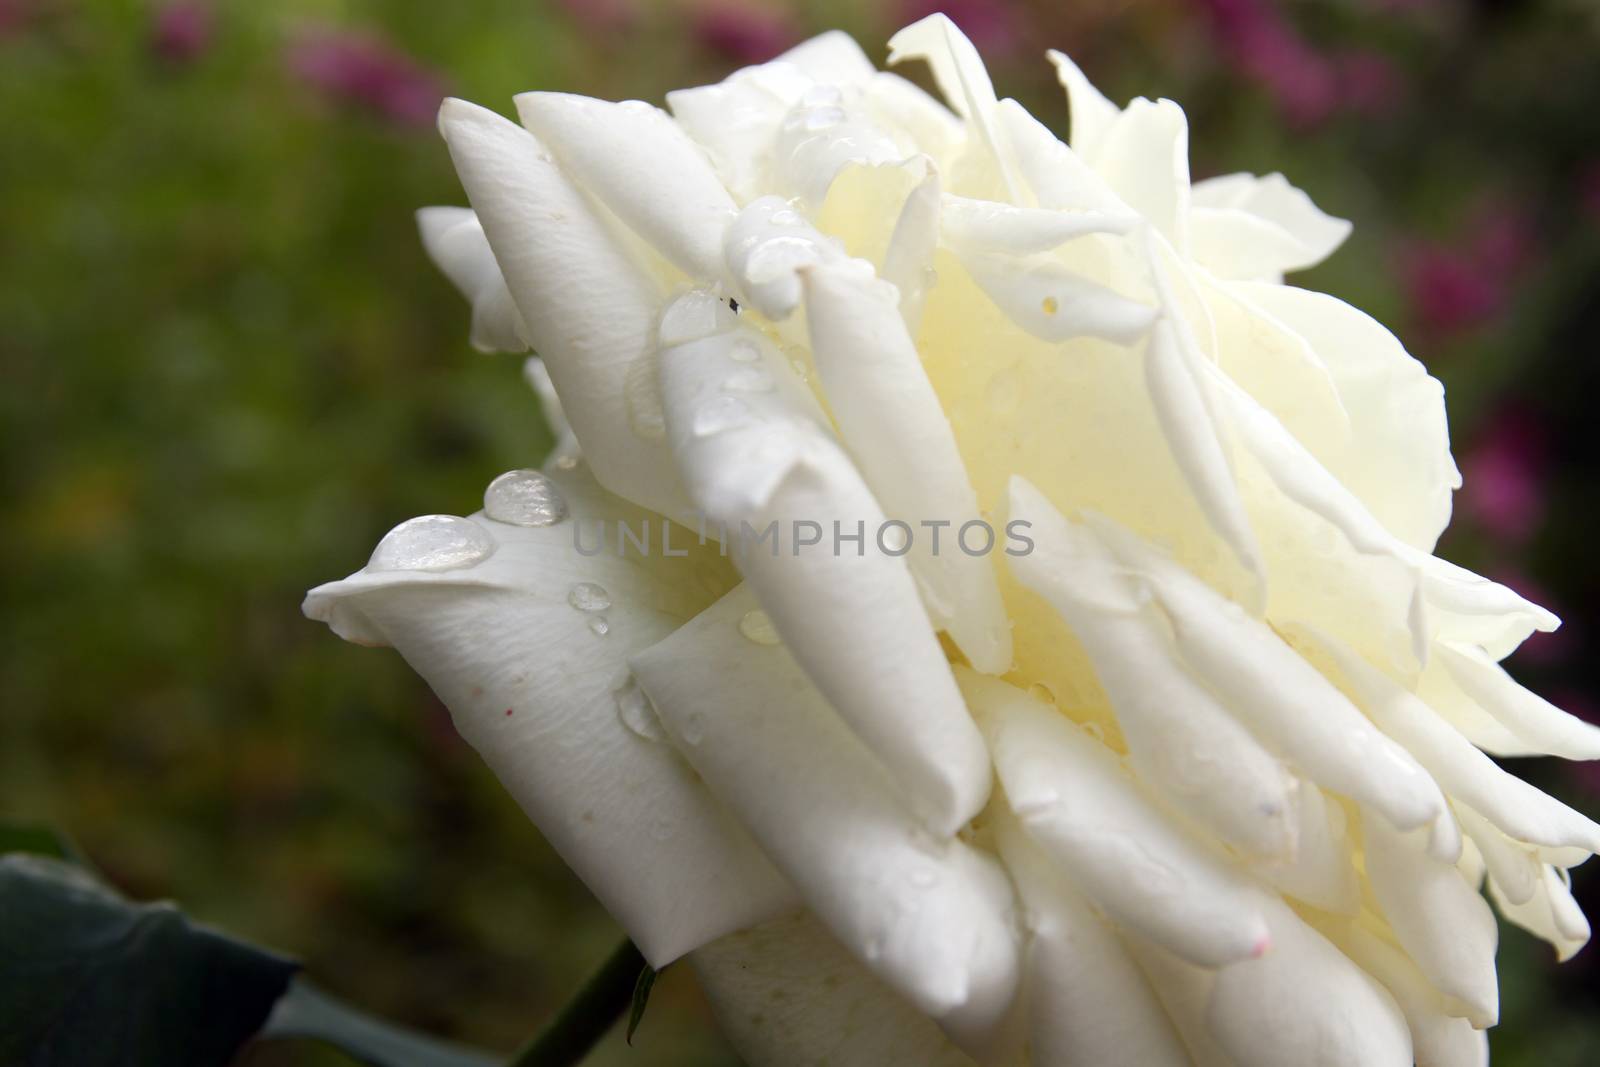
568,1037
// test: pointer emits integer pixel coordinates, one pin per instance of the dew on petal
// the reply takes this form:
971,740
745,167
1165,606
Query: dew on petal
587,596
599,625
1042,693
524,498
694,728
1004,393
757,627
432,543
720,414
636,712
749,380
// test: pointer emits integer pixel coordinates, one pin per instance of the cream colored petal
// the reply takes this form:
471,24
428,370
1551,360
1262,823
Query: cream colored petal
590,309
786,992
1058,177
920,122
1399,460
1438,1038
1440,920
1462,771
959,72
1320,872
1281,697
1140,868
891,422
818,138
1181,741
1515,868
1246,226
1144,156
1551,914
455,242
607,147
852,617
1053,302
1092,113
908,259
736,122
1088,1004
987,226
566,452
1304,1003
546,698
831,58
1527,715
928,916
765,250
1471,609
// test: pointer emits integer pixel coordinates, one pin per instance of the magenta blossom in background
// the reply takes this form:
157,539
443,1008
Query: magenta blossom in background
1503,477
182,30
1304,83
995,26
13,14
1460,285
743,33
602,16
1370,84
1589,191
367,73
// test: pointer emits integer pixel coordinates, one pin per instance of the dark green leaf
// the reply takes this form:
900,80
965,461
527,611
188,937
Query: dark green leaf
38,839
641,999
308,1012
88,978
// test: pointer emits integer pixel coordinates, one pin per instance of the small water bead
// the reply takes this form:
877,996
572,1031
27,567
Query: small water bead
744,352
749,380
599,626
587,596
720,414
432,543
694,728
786,217
1043,693
757,627
524,498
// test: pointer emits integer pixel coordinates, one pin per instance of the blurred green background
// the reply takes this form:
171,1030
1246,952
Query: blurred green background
228,369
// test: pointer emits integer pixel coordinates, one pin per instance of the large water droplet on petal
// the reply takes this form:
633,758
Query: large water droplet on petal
587,596
432,543
637,713
524,498
756,626
720,414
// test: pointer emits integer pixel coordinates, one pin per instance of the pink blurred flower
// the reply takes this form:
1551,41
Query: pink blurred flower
743,33
1457,286
1503,478
995,26
14,14
1304,83
602,16
182,30
1370,83
367,73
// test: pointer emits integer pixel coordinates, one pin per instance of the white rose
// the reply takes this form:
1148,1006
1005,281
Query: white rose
1200,778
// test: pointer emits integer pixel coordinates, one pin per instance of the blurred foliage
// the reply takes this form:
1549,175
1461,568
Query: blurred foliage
228,369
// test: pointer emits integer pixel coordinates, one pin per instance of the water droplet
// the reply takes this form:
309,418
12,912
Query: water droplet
1004,393
694,728
432,543
1050,305
894,538
599,625
524,498
785,217
756,626
744,352
749,380
587,596
567,462
1041,692
823,118
720,414
637,713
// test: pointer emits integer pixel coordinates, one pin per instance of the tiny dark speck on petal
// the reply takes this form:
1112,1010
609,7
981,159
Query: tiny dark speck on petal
734,304
508,711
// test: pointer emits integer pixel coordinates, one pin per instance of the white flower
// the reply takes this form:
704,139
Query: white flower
1199,778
